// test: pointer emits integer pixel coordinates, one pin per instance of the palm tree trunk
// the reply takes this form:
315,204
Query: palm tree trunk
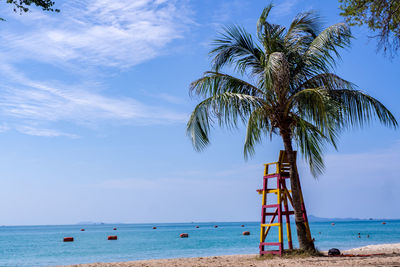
304,242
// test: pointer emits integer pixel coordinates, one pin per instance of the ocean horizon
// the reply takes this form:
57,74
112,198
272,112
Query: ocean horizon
42,245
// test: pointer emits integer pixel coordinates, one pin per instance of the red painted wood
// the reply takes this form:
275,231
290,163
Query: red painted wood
287,213
270,244
282,209
265,185
271,206
279,185
270,176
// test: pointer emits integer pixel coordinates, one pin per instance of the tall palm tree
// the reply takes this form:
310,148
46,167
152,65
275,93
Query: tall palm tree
287,86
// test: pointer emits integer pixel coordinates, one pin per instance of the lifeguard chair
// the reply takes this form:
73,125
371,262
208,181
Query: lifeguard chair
280,171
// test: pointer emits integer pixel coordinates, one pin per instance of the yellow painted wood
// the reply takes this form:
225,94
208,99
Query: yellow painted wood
283,197
288,230
270,224
290,199
266,231
272,191
264,197
262,237
266,169
279,196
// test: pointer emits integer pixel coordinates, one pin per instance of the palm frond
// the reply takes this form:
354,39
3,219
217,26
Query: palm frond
311,142
359,108
214,83
292,87
227,108
262,21
236,47
329,81
258,125
302,31
323,50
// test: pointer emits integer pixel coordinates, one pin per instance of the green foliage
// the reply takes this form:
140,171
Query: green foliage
22,6
381,16
287,85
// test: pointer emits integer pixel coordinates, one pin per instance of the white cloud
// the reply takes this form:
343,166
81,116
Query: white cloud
4,128
99,32
283,8
43,132
84,38
167,97
23,98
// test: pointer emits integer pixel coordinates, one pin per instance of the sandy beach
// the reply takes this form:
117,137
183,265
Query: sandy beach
391,257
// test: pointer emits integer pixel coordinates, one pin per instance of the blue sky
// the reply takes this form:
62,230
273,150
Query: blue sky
94,102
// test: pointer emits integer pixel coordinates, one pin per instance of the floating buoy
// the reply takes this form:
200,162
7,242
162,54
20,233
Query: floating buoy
197,226
154,227
242,225
215,226
383,223
246,233
114,228
112,237
68,239
82,229
333,223
183,235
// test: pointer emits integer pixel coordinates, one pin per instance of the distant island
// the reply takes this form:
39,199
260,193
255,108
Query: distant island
313,218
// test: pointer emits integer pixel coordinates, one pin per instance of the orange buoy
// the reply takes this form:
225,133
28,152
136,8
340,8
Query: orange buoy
154,227
383,223
68,239
82,229
246,233
114,228
112,237
242,225
183,235
215,226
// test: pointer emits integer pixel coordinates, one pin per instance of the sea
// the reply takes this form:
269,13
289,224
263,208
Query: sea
44,246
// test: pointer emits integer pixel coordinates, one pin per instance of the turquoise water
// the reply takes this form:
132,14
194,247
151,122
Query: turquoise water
43,246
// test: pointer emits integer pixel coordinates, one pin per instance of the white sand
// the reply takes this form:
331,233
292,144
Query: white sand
391,258
382,248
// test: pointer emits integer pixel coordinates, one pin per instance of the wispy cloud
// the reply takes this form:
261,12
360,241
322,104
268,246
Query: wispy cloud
168,98
4,128
99,32
283,8
89,36
43,132
40,101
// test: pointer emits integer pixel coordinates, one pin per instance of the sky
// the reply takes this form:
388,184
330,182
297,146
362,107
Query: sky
94,103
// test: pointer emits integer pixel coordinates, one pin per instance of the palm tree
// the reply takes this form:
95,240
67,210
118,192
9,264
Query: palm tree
287,87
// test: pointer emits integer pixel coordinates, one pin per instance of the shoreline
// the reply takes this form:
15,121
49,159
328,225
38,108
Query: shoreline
391,257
